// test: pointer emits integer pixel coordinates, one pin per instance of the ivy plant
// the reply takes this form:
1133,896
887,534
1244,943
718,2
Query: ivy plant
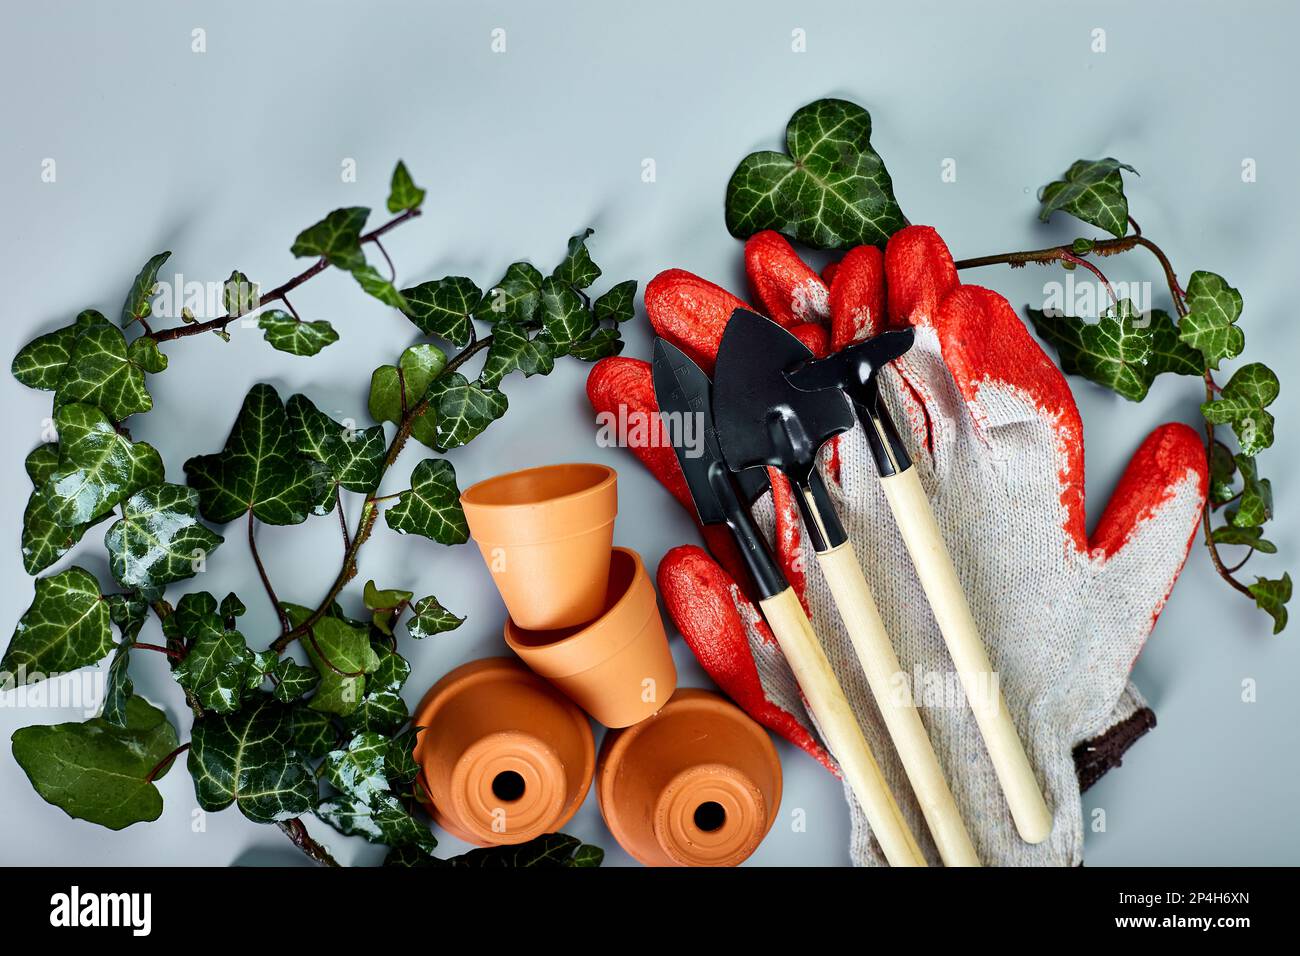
310,720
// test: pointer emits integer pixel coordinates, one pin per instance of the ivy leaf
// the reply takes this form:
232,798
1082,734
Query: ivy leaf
1210,324
354,459
1223,468
374,284
385,605
313,731
340,651
444,308
99,373
155,540
292,680
464,409
577,269
1256,503
248,758
1092,190
66,627
288,334
429,617
1112,352
42,462
1168,352
515,298
380,819
138,304
40,363
97,466
259,470
1250,537
382,709
129,613
550,851
403,194
215,670
565,316
196,618
1241,404
600,344
145,354
336,238
99,772
1271,596
431,506
240,294
396,388
618,304
511,350
44,539
359,769
400,764
831,191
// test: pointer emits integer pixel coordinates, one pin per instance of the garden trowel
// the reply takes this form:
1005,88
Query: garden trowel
763,420
854,370
721,497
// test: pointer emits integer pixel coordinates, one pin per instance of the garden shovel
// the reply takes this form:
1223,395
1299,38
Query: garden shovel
682,389
854,370
763,420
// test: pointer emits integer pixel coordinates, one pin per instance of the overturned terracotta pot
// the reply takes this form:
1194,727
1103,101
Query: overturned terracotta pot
504,757
698,784
618,667
545,535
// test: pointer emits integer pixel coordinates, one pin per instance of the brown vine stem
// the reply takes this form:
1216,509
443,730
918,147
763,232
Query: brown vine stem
166,762
370,510
279,292
261,571
296,831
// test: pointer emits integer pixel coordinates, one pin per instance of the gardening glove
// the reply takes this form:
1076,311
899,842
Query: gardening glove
998,444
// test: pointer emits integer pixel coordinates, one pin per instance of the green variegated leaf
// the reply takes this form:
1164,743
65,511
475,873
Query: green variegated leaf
97,771
336,238
359,769
1241,404
464,409
565,317
129,613
1255,506
100,373
249,758
67,627
292,680
1210,324
139,301
403,194
385,605
44,540
340,651
429,617
1271,596
314,734
1092,190
216,670
551,851
144,353
512,350
98,467
577,269
431,506
380,819
618,304
260,469
396,388
444,308
353,458
1168,352
401,766
240,294
231,607
288,334
598,345
1113,352
197,617
158,538
831,191
515,298
41,463
1223,468
374,284
1250,537
40,363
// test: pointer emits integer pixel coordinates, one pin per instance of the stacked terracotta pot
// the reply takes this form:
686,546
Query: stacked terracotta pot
685,778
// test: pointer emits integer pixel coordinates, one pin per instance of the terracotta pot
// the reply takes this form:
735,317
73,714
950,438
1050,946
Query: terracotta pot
698,784
504,757
545,534
618,668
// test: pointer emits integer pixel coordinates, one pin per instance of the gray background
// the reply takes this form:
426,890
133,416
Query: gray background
224,156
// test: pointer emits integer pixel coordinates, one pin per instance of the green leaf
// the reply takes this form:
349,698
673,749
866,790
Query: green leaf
1241,404
129,613
515,298
382,709
1081,247
138,304
1223,468
292,680
551,851
40,363
96,771
44,539
231,607
144,353
1271,596
260,469
385,605
1256,503
359,769
565,317
618,304
444,308
400,764
216,670
196,618
577,269
1250,537
464,409
99,372
314,734
155,540
600,344
511,350
831,192
288,334
429,617
1112,352
66,627
354,459
41,463
372,283
1092,190
341,653
396,388
336,238
1210,324
249,758
240,294
431,506
403,194
1168,352
97,467
380,819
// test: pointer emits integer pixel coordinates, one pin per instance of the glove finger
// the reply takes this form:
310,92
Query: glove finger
857,296
690,312
730,639
920,273
790,291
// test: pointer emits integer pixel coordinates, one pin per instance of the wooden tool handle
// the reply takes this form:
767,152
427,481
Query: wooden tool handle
840,728
948,603
891,688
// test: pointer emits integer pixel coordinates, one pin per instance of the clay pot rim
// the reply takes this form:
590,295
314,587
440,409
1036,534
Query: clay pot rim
553,659
607,476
